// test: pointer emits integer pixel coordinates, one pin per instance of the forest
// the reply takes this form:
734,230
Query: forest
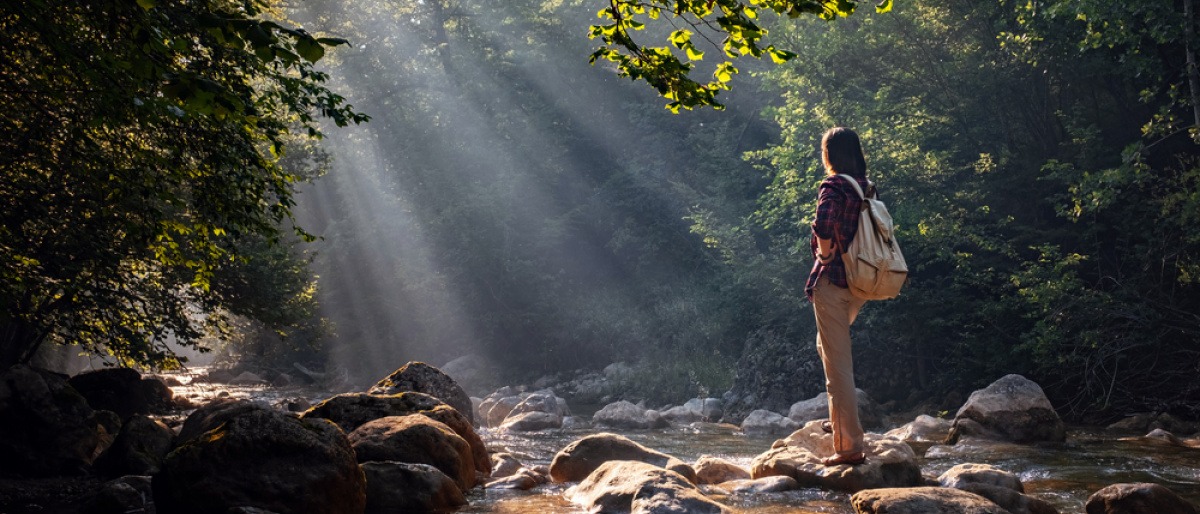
422,180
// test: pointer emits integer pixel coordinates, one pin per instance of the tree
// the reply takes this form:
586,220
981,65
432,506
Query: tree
141,144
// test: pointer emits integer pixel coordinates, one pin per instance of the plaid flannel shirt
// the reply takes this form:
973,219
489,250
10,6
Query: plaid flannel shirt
838,209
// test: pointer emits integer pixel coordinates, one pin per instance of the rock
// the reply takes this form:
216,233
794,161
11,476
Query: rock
623,414
922,500
496,410
247,378
108,425
999,486
212,415
767,422
423,378
617,371
969,473
773,484
890,463
715,470
580,458
123,391
139,448
1137,498
817,407
925,429
689,412
536,411
125,494
540,401
694,411
1134,423
1011,501
630,486
257,457
1161,436
523,480
531,421
407,487
46,427
351,410
295,404
505,464
1012,409
419,440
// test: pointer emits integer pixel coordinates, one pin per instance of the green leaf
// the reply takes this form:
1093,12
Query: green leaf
147,4
310,49
884,6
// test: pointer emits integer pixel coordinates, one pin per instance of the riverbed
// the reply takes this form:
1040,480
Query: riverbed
1062,474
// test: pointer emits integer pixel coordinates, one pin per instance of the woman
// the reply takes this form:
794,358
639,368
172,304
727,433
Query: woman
838,209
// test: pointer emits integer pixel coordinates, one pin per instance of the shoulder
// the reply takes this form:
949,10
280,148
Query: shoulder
837,185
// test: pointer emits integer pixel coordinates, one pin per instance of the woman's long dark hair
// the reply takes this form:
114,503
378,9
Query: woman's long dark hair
842,153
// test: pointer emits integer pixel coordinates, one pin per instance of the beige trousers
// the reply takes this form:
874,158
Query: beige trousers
835,309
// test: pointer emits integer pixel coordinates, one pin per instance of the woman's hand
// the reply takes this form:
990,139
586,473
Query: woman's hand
825,252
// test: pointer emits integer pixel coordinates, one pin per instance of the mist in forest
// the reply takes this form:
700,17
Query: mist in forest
507,199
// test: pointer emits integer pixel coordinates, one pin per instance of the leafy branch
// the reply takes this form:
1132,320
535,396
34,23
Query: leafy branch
671,74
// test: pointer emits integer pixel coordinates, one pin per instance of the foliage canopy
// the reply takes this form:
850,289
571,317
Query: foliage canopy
141,144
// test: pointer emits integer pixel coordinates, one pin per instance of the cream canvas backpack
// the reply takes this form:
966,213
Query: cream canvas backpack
875,268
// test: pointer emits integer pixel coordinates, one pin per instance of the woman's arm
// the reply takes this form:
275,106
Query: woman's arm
829,206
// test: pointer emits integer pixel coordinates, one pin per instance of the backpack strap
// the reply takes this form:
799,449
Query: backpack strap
858,188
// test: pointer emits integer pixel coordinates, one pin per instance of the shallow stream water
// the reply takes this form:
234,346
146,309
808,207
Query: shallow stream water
1062,474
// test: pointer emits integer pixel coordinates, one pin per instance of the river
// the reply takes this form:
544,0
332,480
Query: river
1062,474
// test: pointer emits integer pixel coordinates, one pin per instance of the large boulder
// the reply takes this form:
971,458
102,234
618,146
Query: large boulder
139,448
767,422
580,458
1010,409
263,459
123,391
419,440
1138,498
817,407
406,487
212,415
623,414
631,486
352,410
890,463
922,500
423,378
46,427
